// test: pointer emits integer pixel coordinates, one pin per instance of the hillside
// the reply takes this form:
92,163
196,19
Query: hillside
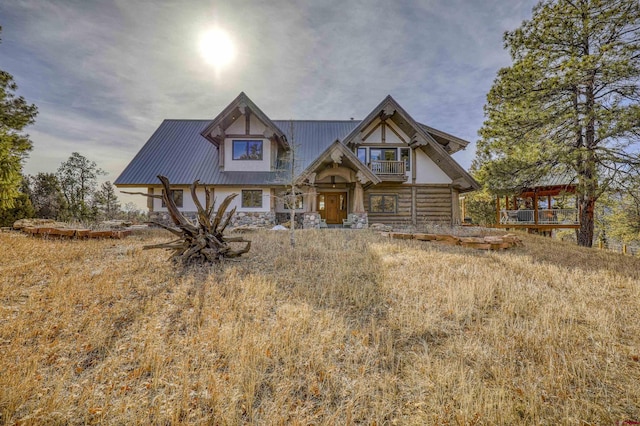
351,328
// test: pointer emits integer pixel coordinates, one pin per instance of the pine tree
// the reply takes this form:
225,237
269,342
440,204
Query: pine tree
568,102
47,198
106,201
15,115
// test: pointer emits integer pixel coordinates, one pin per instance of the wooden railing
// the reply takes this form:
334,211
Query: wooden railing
545,216
387,167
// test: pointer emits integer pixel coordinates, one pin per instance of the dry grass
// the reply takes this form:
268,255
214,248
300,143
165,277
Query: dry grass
350,328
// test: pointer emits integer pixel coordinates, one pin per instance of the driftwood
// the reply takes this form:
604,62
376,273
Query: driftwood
202,243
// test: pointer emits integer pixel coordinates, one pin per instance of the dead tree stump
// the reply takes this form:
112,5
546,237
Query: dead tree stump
200,243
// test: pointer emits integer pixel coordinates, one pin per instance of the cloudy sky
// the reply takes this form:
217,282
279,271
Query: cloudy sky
105,73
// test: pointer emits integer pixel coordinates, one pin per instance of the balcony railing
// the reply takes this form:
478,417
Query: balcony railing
396,168
545,217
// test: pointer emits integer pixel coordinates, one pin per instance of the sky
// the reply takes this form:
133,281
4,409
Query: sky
104,74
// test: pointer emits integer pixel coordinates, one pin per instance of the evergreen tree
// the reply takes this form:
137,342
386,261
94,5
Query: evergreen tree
78,180
568,102
15,115
22,207
47,198
106,201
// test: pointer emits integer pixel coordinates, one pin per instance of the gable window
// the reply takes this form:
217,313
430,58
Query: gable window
383,203
252,198
385,154
247,150
177,196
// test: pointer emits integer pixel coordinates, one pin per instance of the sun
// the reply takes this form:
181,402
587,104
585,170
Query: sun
216,48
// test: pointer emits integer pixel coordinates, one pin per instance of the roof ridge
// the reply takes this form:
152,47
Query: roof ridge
345,121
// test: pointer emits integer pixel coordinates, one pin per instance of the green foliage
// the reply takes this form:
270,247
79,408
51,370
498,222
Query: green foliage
106,201
568,102
15,115
22,207
78,180
480,206
47,198
619,215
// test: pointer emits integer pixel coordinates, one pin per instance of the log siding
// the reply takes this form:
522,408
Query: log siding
417,204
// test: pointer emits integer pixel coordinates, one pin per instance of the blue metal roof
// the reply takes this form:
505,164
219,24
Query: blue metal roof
178,151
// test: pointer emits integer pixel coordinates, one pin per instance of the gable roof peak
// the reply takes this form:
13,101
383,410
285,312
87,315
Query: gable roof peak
215,130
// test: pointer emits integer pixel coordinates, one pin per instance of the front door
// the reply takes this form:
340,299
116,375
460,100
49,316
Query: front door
333,206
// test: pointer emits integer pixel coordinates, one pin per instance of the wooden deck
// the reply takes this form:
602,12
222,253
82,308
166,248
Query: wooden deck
541,219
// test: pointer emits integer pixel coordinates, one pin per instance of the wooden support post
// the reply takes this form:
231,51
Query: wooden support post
535,208
497,209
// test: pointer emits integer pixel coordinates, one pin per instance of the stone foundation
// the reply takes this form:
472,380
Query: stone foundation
311,220
284,217
361,220
262,219
307,220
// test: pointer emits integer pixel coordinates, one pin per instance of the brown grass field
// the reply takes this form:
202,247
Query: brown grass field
350,328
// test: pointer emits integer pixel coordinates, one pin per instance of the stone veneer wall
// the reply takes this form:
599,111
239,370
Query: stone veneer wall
266,219
284,217
361,220
311,220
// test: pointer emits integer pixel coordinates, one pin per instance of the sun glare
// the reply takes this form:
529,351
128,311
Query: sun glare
217,48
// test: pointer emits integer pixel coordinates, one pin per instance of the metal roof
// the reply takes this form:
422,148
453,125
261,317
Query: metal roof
556,178
178,151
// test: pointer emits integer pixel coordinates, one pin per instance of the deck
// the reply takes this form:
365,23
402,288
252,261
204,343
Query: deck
539,219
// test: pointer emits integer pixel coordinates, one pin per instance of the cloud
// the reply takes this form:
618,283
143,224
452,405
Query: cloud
105,74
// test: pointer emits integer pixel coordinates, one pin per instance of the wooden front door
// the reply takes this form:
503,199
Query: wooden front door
332,206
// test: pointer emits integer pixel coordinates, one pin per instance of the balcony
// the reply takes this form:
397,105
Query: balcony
389,170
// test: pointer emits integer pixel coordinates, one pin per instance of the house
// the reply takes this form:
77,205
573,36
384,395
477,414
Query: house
386,168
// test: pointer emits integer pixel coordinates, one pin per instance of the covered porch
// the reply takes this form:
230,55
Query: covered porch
541,208
335,185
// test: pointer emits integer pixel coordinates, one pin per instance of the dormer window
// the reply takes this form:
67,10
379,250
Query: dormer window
247,150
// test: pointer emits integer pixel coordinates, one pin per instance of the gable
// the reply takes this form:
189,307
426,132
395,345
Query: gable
384,131
389,111
245,118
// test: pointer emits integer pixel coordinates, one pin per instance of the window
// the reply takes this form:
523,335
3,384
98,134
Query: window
176,194
362,155
247,150
383,154
252,198
289,200
383,203
406,157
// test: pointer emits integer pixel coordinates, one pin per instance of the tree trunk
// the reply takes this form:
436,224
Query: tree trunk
585,233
